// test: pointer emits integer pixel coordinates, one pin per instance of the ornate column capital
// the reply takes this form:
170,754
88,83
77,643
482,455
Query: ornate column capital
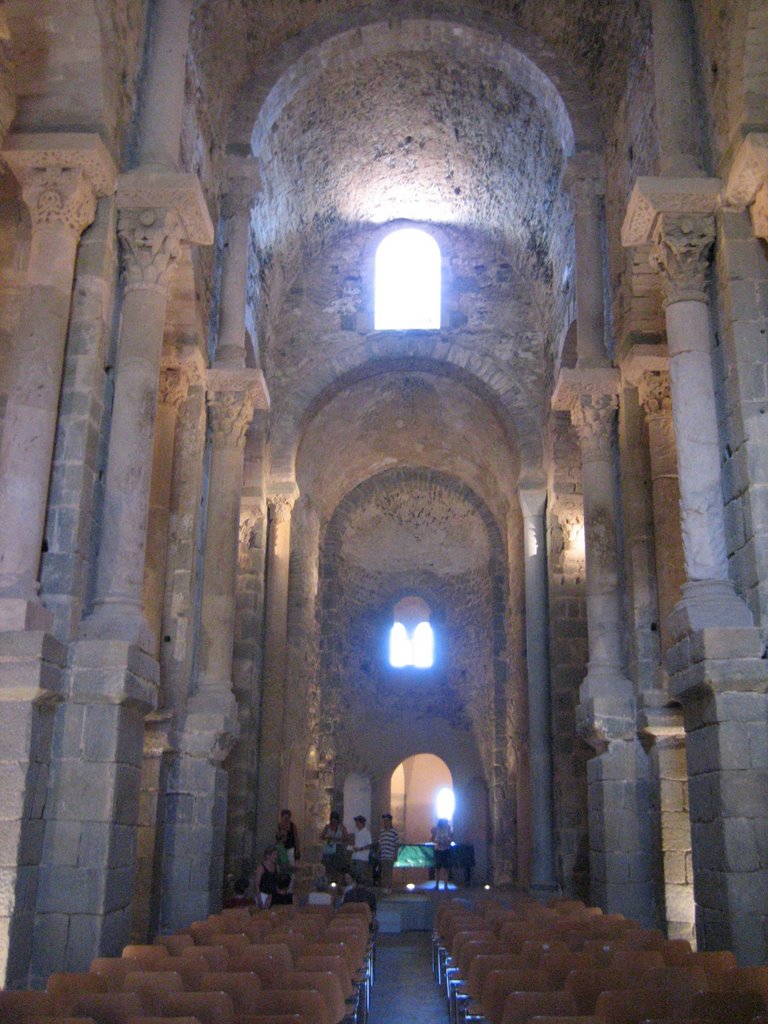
61,176
593,418
533,501
151,240
232,397
747,181
655,394
653,198
574,385
174,387
681,253
280,504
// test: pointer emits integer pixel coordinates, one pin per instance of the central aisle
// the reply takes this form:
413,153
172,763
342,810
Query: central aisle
405,990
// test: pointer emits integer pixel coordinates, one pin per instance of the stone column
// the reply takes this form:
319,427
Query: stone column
157,213
61,177
280,505
715,665
164,88
174,386
646,368
533,503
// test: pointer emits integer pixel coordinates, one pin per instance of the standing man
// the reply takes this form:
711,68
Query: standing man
361,850
389,842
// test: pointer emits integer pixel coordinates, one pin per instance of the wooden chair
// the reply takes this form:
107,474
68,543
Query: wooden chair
207,1007
146,953
148,984
324,982
728,1007
742,979
17,1006
634,1005
241,986
215,956
306,1002
520,1007
66,987
269,960
174,943
637,959
586,986
499,984
109,1007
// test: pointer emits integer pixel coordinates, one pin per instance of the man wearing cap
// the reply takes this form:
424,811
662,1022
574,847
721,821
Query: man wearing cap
360,850
389,841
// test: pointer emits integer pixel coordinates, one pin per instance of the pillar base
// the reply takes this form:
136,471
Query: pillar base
211,726
118,623
31,682
606,709
20,613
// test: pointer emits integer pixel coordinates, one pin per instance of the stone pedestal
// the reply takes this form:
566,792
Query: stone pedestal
533,503
31,683
61,177
92,808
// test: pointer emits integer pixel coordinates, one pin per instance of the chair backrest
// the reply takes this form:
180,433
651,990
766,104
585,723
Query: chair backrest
149,983
534,951
307,1002
637,959
208,1007
519,1007
336,964
727,1007
65,988
333,949
632,1006
232,940
15,1006
241,986
586,986
269,960
482,966
174,943
146,953
713,962
742,979
216,956
475,948
324,982
499,984
108,1007
641,938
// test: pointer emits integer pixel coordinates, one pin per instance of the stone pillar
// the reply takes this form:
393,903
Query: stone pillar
61,177
164,88
157,213
715,665
174,386
617,776
584,180
663,736
646,367
280,505
533,503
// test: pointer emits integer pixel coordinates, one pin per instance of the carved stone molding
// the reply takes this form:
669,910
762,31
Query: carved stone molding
151,239
61,176
593,419
681,253
143,190
231,378
251,522
748,171
758,211
231,413
654,392
533,501
241,185
573,385
281,505
174,387
652,197
569,512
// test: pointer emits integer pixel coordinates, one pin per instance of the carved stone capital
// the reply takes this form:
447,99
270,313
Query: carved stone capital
569,512
140,191
231,413
174,388
61,176
655,394
280,505
652,197
151,240
251,523
239,378
594,382
593,418
749,170
533,501
241,186
681,253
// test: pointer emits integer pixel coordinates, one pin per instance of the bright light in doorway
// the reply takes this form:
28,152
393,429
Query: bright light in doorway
445,803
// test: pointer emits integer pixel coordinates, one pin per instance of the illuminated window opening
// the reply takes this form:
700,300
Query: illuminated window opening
445,804
407,282
411,639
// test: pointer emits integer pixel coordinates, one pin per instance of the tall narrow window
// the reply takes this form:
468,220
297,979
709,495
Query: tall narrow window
407,282
411,640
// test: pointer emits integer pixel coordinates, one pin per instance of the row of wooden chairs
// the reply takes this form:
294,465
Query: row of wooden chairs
508,961
283,966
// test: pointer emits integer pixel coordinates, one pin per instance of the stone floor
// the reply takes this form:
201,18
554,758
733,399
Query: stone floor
405,991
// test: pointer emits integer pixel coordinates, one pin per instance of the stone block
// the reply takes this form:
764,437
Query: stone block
675,867
740,844
62,842
743,794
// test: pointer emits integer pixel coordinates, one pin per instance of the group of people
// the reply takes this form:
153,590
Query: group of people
344,853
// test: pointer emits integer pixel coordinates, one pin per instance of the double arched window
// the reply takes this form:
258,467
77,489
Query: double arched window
407,282
411,639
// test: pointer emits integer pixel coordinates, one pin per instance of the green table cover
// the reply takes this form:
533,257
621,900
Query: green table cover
416,855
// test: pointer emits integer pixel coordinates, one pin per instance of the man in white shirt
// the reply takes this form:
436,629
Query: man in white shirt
361,850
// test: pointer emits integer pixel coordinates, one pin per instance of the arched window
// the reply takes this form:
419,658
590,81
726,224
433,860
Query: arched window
411,639
407,282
